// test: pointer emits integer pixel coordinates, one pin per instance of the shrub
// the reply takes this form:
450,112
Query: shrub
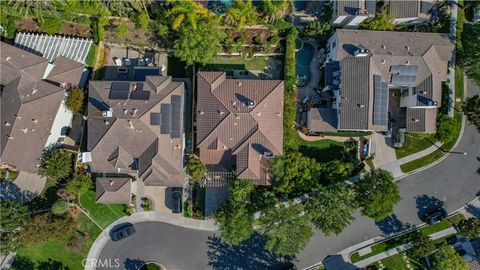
11,27
290,77
142,21
51,25
122,29
60,208
196,169
85,20
75,100
80,184
55,163
445,128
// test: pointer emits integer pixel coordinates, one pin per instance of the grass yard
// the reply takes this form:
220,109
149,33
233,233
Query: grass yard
231,63
396,262
104,214
405,238
57,254
322,150
414,142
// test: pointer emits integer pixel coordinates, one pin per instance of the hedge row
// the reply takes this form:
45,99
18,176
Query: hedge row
290,77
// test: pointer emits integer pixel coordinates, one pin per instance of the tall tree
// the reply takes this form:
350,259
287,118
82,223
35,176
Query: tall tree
422,246
55,163
186,11
235,217
286,228
331,208
241,13
196,169
14,216
80,184
294,173
469,227
37,8
381,22
447,258
471,109
75,100
335,171
199,45
274,9
316,29
377,194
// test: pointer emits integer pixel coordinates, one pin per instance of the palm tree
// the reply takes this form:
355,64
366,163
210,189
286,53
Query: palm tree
33,8
186,10
241,13
274,8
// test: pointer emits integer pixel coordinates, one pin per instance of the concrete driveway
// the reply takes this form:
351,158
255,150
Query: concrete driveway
26,187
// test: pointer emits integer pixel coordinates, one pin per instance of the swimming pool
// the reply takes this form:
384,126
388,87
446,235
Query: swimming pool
303,58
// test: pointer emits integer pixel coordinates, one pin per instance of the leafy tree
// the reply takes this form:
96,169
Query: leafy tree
234,217
14,216
142,21
199,45
186,11
196,169
331,208
75,100
286,228
44,228
446,258
335,171
50,25
294,172
470,55
422,246
316,29
471,109
274,9
469,227
377,194
126,7
80,184
60,208
241,13
445,127
122,29
349,151
381,22
55,163
262,199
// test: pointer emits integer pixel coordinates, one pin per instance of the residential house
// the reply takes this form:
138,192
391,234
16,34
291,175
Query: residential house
136,138
239,124
376,78
32,104
350,13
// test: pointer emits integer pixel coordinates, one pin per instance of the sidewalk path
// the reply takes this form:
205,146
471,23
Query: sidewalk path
402,248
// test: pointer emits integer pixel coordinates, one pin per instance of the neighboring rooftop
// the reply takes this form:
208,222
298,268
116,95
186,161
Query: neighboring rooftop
138,127
30,100
239,123
113,189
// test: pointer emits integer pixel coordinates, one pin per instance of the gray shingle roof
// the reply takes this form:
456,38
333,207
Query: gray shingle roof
241,116
113,189
421,120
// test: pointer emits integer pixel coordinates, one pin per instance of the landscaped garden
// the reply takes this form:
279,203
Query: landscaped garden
231,63
104,214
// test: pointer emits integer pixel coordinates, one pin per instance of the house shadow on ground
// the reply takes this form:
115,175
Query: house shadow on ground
248,255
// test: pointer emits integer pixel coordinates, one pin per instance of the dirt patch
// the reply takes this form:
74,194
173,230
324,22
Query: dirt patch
28,25
77,30
134,36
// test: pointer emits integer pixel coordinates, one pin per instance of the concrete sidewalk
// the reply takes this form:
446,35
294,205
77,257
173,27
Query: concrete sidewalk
402,248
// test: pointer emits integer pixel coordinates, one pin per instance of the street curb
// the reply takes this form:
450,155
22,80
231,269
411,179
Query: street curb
104,237
459,138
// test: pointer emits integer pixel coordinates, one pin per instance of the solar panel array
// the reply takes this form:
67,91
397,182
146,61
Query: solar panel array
380,103
166,119
155,119
176,111
405,75
119,90
51,47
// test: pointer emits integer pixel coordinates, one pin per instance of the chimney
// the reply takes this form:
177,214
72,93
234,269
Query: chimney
111,182
415,120
361,106
383,46
201,112
7,124
35,121
125,111
130,124
134,111
221,112
24,130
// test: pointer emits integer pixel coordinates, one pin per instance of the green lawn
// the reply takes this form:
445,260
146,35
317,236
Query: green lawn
231,63
322,150
396,262
414,142
402,239
104,214
57,254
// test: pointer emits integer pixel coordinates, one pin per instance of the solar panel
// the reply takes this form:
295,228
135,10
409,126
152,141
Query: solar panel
119,90
404,75
155,119
176,116
380,103
165,126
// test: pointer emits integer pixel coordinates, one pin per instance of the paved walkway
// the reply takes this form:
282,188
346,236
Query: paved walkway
25,187
402,248
104,237
319,138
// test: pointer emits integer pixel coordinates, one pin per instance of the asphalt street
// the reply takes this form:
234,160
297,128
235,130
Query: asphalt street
452,183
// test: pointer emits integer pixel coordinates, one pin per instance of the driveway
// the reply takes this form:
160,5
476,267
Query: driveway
25,187
451,183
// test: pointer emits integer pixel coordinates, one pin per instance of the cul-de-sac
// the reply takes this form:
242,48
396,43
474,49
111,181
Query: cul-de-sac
240,134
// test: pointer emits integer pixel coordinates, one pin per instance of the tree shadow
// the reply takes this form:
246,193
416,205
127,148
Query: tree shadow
475,211
51,265
392,225
426,204
337,262
250,254
133,264
21,263
10,191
